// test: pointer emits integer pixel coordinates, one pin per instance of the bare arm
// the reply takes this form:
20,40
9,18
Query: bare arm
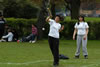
62,28
48,19
50,15
87,30
85,36
75,31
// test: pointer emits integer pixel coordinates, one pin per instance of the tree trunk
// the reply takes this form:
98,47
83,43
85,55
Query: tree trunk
41,18
53,10
75,7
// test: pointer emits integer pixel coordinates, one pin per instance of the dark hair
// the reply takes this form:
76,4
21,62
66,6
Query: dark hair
81,17
1,14
34,25
60,17
9,30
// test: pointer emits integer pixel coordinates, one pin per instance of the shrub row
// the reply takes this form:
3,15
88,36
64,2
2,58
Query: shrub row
23,26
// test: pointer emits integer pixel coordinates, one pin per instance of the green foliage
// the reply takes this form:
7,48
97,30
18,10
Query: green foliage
23,26
94,30
19,9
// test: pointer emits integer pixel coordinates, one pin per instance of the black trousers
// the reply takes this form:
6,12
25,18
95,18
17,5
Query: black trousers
1,33
54,46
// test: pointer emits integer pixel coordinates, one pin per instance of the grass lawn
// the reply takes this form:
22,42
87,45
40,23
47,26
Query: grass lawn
38,55
91,19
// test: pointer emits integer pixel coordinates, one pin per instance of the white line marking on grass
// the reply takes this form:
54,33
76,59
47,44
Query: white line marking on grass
92,64
26,63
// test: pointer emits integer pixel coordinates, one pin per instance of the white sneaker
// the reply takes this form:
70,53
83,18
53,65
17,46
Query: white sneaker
33,41
30,41
2,40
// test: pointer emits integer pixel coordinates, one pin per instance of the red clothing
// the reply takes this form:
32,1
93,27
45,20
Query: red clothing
34,30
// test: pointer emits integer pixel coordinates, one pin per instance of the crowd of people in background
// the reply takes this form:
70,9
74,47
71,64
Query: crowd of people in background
9,34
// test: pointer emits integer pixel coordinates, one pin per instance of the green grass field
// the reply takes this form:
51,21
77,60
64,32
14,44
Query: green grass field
39,55
91,19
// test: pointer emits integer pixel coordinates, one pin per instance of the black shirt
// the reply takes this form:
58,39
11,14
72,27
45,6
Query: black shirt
2,24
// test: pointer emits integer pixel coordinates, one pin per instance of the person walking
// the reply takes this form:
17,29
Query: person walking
81,28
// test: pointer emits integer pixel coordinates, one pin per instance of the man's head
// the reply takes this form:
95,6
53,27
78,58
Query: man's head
58,18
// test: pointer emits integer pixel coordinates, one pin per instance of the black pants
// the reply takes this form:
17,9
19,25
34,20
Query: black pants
54,46
1,33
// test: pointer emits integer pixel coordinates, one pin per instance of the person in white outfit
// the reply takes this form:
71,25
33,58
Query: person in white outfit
81,28
9,36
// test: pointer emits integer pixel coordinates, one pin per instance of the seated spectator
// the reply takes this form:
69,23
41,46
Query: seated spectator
9,36
33,35
15,35
6,30
31,38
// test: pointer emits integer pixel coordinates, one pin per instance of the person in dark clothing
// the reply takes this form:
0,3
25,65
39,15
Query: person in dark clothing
6,29
2,25
15,33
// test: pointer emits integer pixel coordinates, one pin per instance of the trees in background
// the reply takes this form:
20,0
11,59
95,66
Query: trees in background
29,9
19,9
74,7
41,17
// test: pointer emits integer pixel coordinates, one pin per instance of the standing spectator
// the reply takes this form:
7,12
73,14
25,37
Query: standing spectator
2,25
81,28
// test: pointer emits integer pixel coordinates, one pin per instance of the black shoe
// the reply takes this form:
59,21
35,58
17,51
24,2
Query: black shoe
55,64
85,56
76,57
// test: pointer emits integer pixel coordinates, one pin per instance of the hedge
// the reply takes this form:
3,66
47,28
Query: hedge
23,26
